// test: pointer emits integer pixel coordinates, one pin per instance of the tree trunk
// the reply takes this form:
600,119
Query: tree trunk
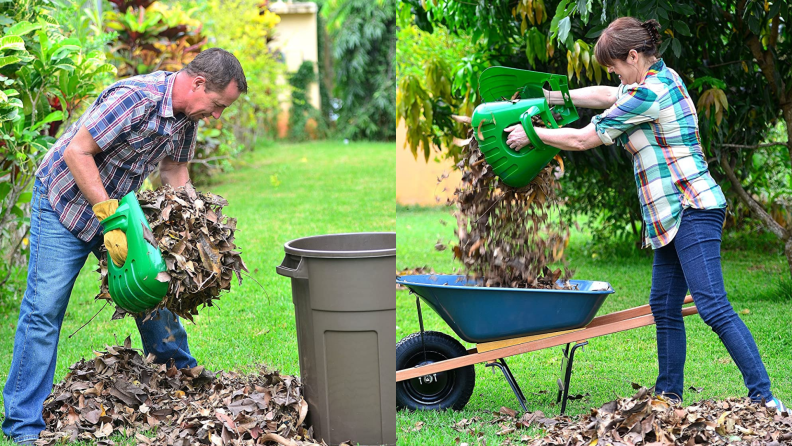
787,112
785,234
788,252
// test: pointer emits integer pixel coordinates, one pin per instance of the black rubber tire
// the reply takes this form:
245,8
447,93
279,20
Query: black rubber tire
444,390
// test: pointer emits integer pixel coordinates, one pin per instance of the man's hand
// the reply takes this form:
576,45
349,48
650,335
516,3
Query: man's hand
174,173
115,240
517,138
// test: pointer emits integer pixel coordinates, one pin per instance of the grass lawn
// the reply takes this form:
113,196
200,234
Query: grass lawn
277,193
605,368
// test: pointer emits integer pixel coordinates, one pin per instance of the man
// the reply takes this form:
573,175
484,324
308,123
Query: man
132,126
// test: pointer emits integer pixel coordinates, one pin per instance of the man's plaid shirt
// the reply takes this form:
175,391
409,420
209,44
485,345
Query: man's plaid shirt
656,121
132,122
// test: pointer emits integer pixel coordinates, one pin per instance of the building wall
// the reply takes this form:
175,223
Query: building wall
296,38
416,179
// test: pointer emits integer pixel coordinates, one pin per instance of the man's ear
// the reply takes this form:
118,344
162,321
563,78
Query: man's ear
198,82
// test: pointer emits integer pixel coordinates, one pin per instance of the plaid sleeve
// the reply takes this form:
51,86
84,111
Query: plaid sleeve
637,104
117,114
184,146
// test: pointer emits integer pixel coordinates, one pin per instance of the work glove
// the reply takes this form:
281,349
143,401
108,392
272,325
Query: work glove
115,240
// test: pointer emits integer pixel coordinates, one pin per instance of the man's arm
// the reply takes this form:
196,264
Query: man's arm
174,173
79,158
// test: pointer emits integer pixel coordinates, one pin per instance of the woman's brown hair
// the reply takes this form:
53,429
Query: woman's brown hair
625,34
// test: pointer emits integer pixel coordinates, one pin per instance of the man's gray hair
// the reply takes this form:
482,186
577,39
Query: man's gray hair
219,67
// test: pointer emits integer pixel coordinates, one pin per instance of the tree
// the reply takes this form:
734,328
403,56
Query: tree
732,55
44,75
364,42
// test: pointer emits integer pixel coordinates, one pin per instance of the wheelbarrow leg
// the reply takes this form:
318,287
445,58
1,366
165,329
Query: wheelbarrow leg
420,321
501,364
563,387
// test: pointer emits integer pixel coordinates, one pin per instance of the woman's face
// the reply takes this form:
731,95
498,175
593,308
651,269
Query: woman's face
627,70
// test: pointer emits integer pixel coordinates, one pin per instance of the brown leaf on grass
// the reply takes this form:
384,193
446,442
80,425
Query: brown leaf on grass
130,395
508,412
652,420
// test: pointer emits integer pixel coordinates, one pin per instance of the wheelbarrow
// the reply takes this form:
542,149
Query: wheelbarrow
435,371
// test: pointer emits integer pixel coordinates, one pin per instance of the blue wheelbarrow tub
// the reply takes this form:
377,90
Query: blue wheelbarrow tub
480,314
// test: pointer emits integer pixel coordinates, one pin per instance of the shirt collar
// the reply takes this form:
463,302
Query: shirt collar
656,67
166,109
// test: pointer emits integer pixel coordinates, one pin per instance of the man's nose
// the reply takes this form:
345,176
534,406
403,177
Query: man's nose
217,114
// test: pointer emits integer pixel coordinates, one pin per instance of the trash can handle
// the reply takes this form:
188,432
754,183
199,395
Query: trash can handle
295,273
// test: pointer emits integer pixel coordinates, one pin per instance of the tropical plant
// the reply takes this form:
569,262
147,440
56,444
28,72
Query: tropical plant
44,74
153,36
364,44
215,147
423,66
731,54
305,122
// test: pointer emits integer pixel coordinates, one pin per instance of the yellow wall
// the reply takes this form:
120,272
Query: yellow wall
416,180
296,38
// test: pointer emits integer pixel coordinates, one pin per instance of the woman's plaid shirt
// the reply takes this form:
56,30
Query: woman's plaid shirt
132,122
656,121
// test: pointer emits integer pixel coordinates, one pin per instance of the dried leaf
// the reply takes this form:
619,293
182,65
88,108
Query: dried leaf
506,236
186,406
197,243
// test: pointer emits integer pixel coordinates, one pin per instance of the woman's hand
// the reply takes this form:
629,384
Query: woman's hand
517,138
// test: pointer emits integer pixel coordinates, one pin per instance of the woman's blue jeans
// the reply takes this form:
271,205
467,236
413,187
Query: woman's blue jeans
692,262
56,257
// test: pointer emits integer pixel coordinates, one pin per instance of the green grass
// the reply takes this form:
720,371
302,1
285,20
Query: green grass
277,193
608,365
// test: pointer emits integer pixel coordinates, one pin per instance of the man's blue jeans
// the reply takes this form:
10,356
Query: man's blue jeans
692,261
56,257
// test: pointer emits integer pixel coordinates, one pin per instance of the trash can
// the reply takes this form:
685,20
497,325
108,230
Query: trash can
345,308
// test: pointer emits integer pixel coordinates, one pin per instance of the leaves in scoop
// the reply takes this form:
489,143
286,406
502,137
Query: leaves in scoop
197,243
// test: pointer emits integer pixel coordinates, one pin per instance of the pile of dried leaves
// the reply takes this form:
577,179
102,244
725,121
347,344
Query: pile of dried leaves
645,419
197,243
507,237
120,392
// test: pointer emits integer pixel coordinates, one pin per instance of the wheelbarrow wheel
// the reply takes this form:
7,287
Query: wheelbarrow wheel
442,390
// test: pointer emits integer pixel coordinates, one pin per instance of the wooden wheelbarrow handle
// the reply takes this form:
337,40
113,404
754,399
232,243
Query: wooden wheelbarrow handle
600,326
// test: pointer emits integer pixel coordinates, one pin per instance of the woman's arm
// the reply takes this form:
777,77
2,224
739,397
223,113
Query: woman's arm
600,97
573,140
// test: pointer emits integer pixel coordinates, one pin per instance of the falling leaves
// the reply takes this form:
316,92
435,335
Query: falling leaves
506,235
197,243
120,392
413,271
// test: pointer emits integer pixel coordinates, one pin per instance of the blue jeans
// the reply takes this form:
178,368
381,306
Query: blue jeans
692,262
56,257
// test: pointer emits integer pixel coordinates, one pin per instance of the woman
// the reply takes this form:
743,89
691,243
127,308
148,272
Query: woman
652,115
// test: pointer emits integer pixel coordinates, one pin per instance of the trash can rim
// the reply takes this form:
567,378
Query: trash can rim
363,253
